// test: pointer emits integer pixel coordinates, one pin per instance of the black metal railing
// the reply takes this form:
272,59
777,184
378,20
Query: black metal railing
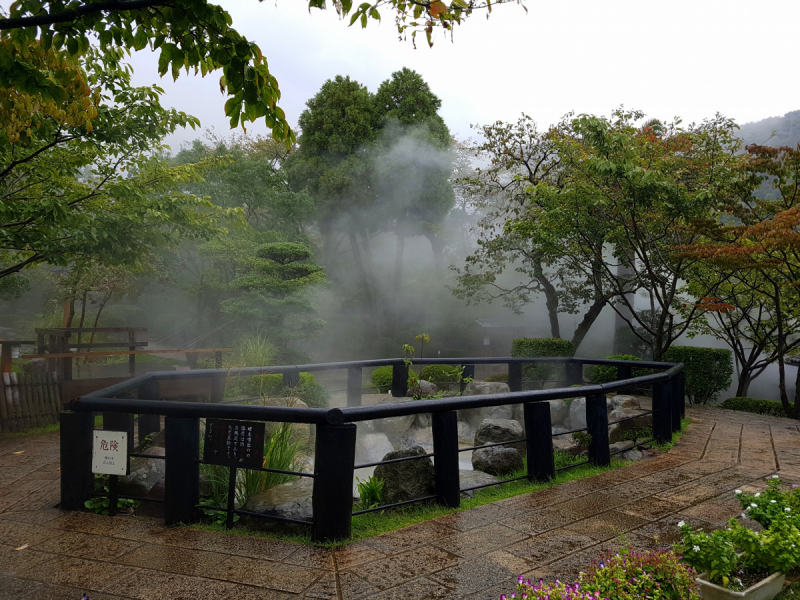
335,441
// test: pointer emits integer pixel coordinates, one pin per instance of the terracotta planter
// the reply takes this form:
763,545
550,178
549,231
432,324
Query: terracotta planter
766,589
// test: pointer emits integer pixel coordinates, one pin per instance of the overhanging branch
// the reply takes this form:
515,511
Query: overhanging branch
71,15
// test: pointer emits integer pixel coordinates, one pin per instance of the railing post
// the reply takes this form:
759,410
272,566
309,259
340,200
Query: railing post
515,376
538,433
218,359
114,421
662,413
574,372
445,447
218,381
354,379
674,403
332,498
148,424
291,379
399,380
182,469
467,372
77,481
624,372
682,393
597,421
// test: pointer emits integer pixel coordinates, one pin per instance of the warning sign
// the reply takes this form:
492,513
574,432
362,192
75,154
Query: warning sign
110,453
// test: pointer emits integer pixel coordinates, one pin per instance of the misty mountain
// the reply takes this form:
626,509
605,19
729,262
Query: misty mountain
786,129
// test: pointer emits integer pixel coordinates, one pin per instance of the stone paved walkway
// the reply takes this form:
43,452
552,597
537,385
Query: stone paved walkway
474,554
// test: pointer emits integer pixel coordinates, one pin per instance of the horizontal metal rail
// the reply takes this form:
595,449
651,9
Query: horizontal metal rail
650,441
134,498
269,517
394,460
385,506
266,470
585,462
644,414
493,444
485,485
139,455
571,431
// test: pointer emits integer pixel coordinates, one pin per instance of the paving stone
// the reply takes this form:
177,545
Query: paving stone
480,540
550,546
398,569
157,585
476,574
422,533
264,573
174,560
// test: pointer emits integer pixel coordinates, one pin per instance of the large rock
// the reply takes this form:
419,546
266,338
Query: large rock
577,414
481,388
466,433
637,419
422,390
372,447
476,416
565,446
496,460
492,431
621,401
408,479
620,446
559,413
560,433
291,500
422,437
394,427
146,476
469,479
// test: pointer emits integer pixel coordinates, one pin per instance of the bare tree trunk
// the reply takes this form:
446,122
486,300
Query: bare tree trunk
744,383
551,298
588,319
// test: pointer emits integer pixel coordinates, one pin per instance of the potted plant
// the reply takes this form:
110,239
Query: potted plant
739,562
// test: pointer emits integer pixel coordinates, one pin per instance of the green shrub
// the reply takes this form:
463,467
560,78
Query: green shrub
382,378
441,374
607,373
271,386
500,377
758,406
539,348
708,370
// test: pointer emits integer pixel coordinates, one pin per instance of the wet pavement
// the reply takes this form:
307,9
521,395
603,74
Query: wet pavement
475,554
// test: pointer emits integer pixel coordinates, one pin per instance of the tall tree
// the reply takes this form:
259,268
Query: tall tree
196,35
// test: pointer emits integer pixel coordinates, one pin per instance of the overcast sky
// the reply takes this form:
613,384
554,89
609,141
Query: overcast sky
688,58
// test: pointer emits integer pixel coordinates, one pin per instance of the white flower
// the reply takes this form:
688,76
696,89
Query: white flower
758,494
744,516
787,509
773,501
775,477
681,523
737,492
754,505
696,548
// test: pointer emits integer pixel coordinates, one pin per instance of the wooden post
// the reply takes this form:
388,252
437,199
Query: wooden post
5,357
574,372
597,421
52,348
66,362
218,381
182,469
77,481
332,498
291,379
624,372
399,380
515,377
231,498
675,401
539,444
132,357
148,423
354,378
682,393
115,421
662,413
445,447
218,359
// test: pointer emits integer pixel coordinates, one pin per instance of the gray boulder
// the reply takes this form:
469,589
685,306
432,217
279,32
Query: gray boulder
633,455
408,479
560,433
422,389
620,446
291,500
146,476
481,388
559,413
475,416
372,447
637,419
492,431
565,446
496,460
577,413
466,434
622,401
422,437
394,427
469,479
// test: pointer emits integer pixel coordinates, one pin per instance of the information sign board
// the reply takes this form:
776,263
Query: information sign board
110,452
237,444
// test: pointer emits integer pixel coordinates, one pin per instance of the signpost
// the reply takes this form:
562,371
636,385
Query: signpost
234,444
110,457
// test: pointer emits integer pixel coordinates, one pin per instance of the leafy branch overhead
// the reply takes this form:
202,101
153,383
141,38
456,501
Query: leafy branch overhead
193,35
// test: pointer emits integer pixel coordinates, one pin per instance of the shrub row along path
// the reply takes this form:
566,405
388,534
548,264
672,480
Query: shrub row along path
473,554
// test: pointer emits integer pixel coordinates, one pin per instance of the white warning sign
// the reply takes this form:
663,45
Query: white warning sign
110,453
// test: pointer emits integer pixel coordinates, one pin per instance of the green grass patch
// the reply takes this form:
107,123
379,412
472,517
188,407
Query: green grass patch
376,523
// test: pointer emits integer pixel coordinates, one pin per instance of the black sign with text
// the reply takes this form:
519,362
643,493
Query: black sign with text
237,444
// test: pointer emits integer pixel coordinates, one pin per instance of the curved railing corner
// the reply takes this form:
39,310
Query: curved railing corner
334,463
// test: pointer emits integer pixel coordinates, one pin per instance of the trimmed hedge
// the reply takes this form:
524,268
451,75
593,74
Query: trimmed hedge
607,373
382,378
758,406
441,374
708,370
308,390
540,348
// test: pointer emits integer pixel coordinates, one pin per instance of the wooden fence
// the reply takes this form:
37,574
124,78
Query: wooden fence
28,400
